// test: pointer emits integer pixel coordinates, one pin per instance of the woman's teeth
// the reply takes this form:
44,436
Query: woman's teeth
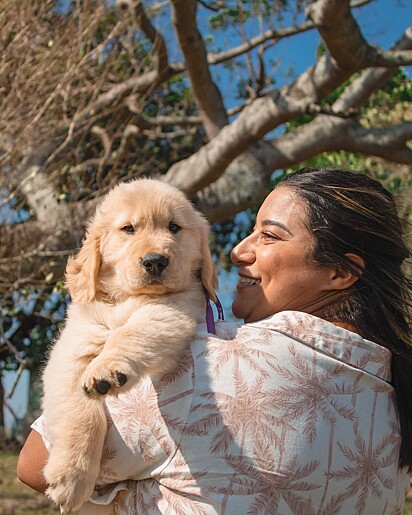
249,281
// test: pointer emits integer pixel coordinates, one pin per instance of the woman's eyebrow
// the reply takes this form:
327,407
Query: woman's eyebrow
278,224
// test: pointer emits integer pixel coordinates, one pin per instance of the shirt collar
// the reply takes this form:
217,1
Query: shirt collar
341,344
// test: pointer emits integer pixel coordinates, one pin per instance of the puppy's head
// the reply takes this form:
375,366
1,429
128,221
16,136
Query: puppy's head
145,238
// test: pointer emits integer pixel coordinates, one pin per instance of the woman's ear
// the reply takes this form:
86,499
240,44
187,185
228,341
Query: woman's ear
82,270
342,278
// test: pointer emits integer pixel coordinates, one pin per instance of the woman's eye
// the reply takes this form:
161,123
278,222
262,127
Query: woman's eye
269,236
174,228
128,229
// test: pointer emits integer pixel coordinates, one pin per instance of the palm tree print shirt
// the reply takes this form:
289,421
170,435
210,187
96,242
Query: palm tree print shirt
288,415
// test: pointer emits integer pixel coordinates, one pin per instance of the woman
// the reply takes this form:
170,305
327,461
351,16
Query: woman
304,409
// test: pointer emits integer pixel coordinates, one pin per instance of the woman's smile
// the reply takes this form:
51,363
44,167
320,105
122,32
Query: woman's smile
245,281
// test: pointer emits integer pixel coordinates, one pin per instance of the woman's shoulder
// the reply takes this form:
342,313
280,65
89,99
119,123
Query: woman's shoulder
305,331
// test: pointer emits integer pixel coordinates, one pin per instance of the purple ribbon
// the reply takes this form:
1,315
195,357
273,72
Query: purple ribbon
210,319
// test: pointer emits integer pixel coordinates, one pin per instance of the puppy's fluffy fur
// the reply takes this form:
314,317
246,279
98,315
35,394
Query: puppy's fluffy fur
137,290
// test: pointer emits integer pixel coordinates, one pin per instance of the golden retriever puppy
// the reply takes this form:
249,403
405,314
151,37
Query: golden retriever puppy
137,291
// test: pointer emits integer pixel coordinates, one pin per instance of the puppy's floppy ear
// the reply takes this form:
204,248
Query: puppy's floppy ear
82,270
207,270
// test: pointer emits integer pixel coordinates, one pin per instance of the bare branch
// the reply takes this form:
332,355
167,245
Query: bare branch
107,145
145,122
129,132
6,143
12,412
269,35
159,46
257,119
350,52
38,251
370,80
213,6
390,59
388,143
208,97
330,110
22,367
345,41
324,134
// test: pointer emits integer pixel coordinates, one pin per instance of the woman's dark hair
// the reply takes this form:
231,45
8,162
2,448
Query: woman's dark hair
352,213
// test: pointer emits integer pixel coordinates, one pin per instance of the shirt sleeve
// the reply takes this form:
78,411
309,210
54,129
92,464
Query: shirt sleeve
39,425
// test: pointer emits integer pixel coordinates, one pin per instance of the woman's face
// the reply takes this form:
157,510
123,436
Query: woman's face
275,268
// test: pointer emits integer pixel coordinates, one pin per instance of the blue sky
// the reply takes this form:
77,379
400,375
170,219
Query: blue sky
383,22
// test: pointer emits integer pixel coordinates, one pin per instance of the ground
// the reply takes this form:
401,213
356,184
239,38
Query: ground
15,497
18,499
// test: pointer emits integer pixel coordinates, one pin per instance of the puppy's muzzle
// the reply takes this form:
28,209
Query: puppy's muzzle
155,264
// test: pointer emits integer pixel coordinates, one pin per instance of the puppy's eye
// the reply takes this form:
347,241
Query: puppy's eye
128,229
174,228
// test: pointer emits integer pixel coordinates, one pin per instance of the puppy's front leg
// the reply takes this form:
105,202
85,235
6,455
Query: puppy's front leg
74,460
151,342
76,425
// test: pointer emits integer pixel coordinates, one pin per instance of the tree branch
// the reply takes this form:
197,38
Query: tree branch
345,41
146,122
107,146
206,93
268,35
370,80
390,59
159,46
388,143
324,134
256,120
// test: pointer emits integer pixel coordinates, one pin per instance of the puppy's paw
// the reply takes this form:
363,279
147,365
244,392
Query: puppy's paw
100,379
68,487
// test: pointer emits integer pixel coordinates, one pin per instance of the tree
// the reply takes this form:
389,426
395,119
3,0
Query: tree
389,106
94,92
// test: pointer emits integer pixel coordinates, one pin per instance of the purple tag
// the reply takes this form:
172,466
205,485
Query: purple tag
210,319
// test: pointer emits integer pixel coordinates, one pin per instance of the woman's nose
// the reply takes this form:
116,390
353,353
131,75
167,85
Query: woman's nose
243,252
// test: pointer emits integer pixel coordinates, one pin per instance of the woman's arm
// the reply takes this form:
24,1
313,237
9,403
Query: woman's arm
31,462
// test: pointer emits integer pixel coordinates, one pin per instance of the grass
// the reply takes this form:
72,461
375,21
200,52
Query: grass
15,497
18,499
408,507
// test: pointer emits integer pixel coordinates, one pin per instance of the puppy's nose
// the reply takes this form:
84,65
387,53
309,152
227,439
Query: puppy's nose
155,264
